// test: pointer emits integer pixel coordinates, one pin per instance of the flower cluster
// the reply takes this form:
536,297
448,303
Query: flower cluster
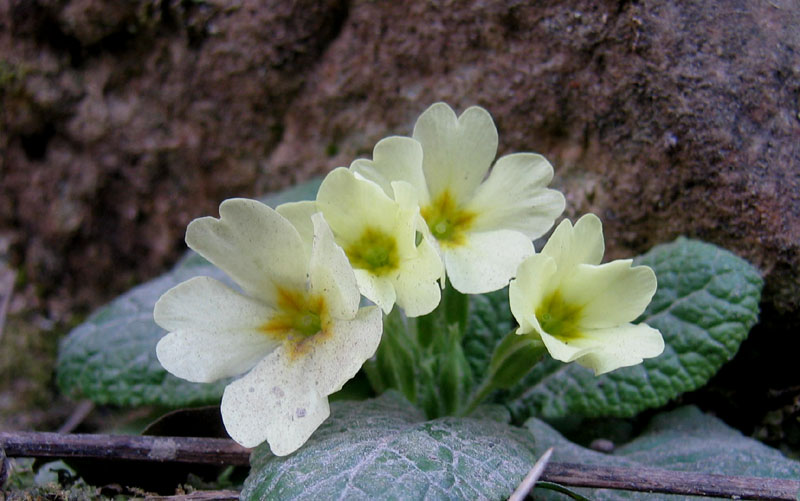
425,213
582,310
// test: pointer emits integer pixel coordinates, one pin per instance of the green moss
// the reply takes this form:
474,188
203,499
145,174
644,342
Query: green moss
11,75
332,150
27,357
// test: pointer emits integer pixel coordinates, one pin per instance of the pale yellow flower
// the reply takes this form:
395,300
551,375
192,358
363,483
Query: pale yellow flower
581,309
296,333
379,236
483,226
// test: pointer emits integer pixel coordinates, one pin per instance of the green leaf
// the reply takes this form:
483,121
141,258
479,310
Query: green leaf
383,449
111,358
706,303
682,440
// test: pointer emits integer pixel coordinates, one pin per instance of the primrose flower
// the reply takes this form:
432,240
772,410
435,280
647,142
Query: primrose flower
379,236
296,333
483,228
581,309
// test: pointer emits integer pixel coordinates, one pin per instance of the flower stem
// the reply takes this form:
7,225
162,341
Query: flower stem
453,310
456,308
395,364
513,359
478,396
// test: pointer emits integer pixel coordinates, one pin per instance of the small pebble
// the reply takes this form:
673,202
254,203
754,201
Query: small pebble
602,445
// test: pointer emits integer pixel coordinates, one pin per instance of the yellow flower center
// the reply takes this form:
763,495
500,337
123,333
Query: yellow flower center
300,316
374,251
446,220
559,318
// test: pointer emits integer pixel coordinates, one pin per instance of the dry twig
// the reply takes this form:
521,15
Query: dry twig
78,415
530,479
143,448
671,482
222,451
199,496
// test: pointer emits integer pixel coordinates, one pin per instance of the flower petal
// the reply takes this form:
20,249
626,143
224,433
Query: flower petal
351,204
528,290
487,261
395,158
299,214
457,152
351,343
621,346
378,289
276,402
604,350
571,246
257,247
330,273
565,350
610,294
284,398
407,221
418,292
214,331
515,197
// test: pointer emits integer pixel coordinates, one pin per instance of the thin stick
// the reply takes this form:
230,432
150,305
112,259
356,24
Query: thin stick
199,496
7,277
671,482
222,451
78,415
160,449
530,479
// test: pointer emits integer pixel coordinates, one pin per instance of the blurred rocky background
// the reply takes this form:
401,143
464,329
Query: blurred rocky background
122,121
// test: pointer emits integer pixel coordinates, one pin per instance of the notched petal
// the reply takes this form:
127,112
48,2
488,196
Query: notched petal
284,398
395,158
257,247
457,152
515,196
215,332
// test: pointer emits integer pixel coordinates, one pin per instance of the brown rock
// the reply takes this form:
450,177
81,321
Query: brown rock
665,119
122,121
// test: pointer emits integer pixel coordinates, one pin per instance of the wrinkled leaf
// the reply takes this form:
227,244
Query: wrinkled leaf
706,303
111,357
682,440
384,449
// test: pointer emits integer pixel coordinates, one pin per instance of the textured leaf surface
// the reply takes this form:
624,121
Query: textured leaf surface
111,357
706,303
682,440
383,449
